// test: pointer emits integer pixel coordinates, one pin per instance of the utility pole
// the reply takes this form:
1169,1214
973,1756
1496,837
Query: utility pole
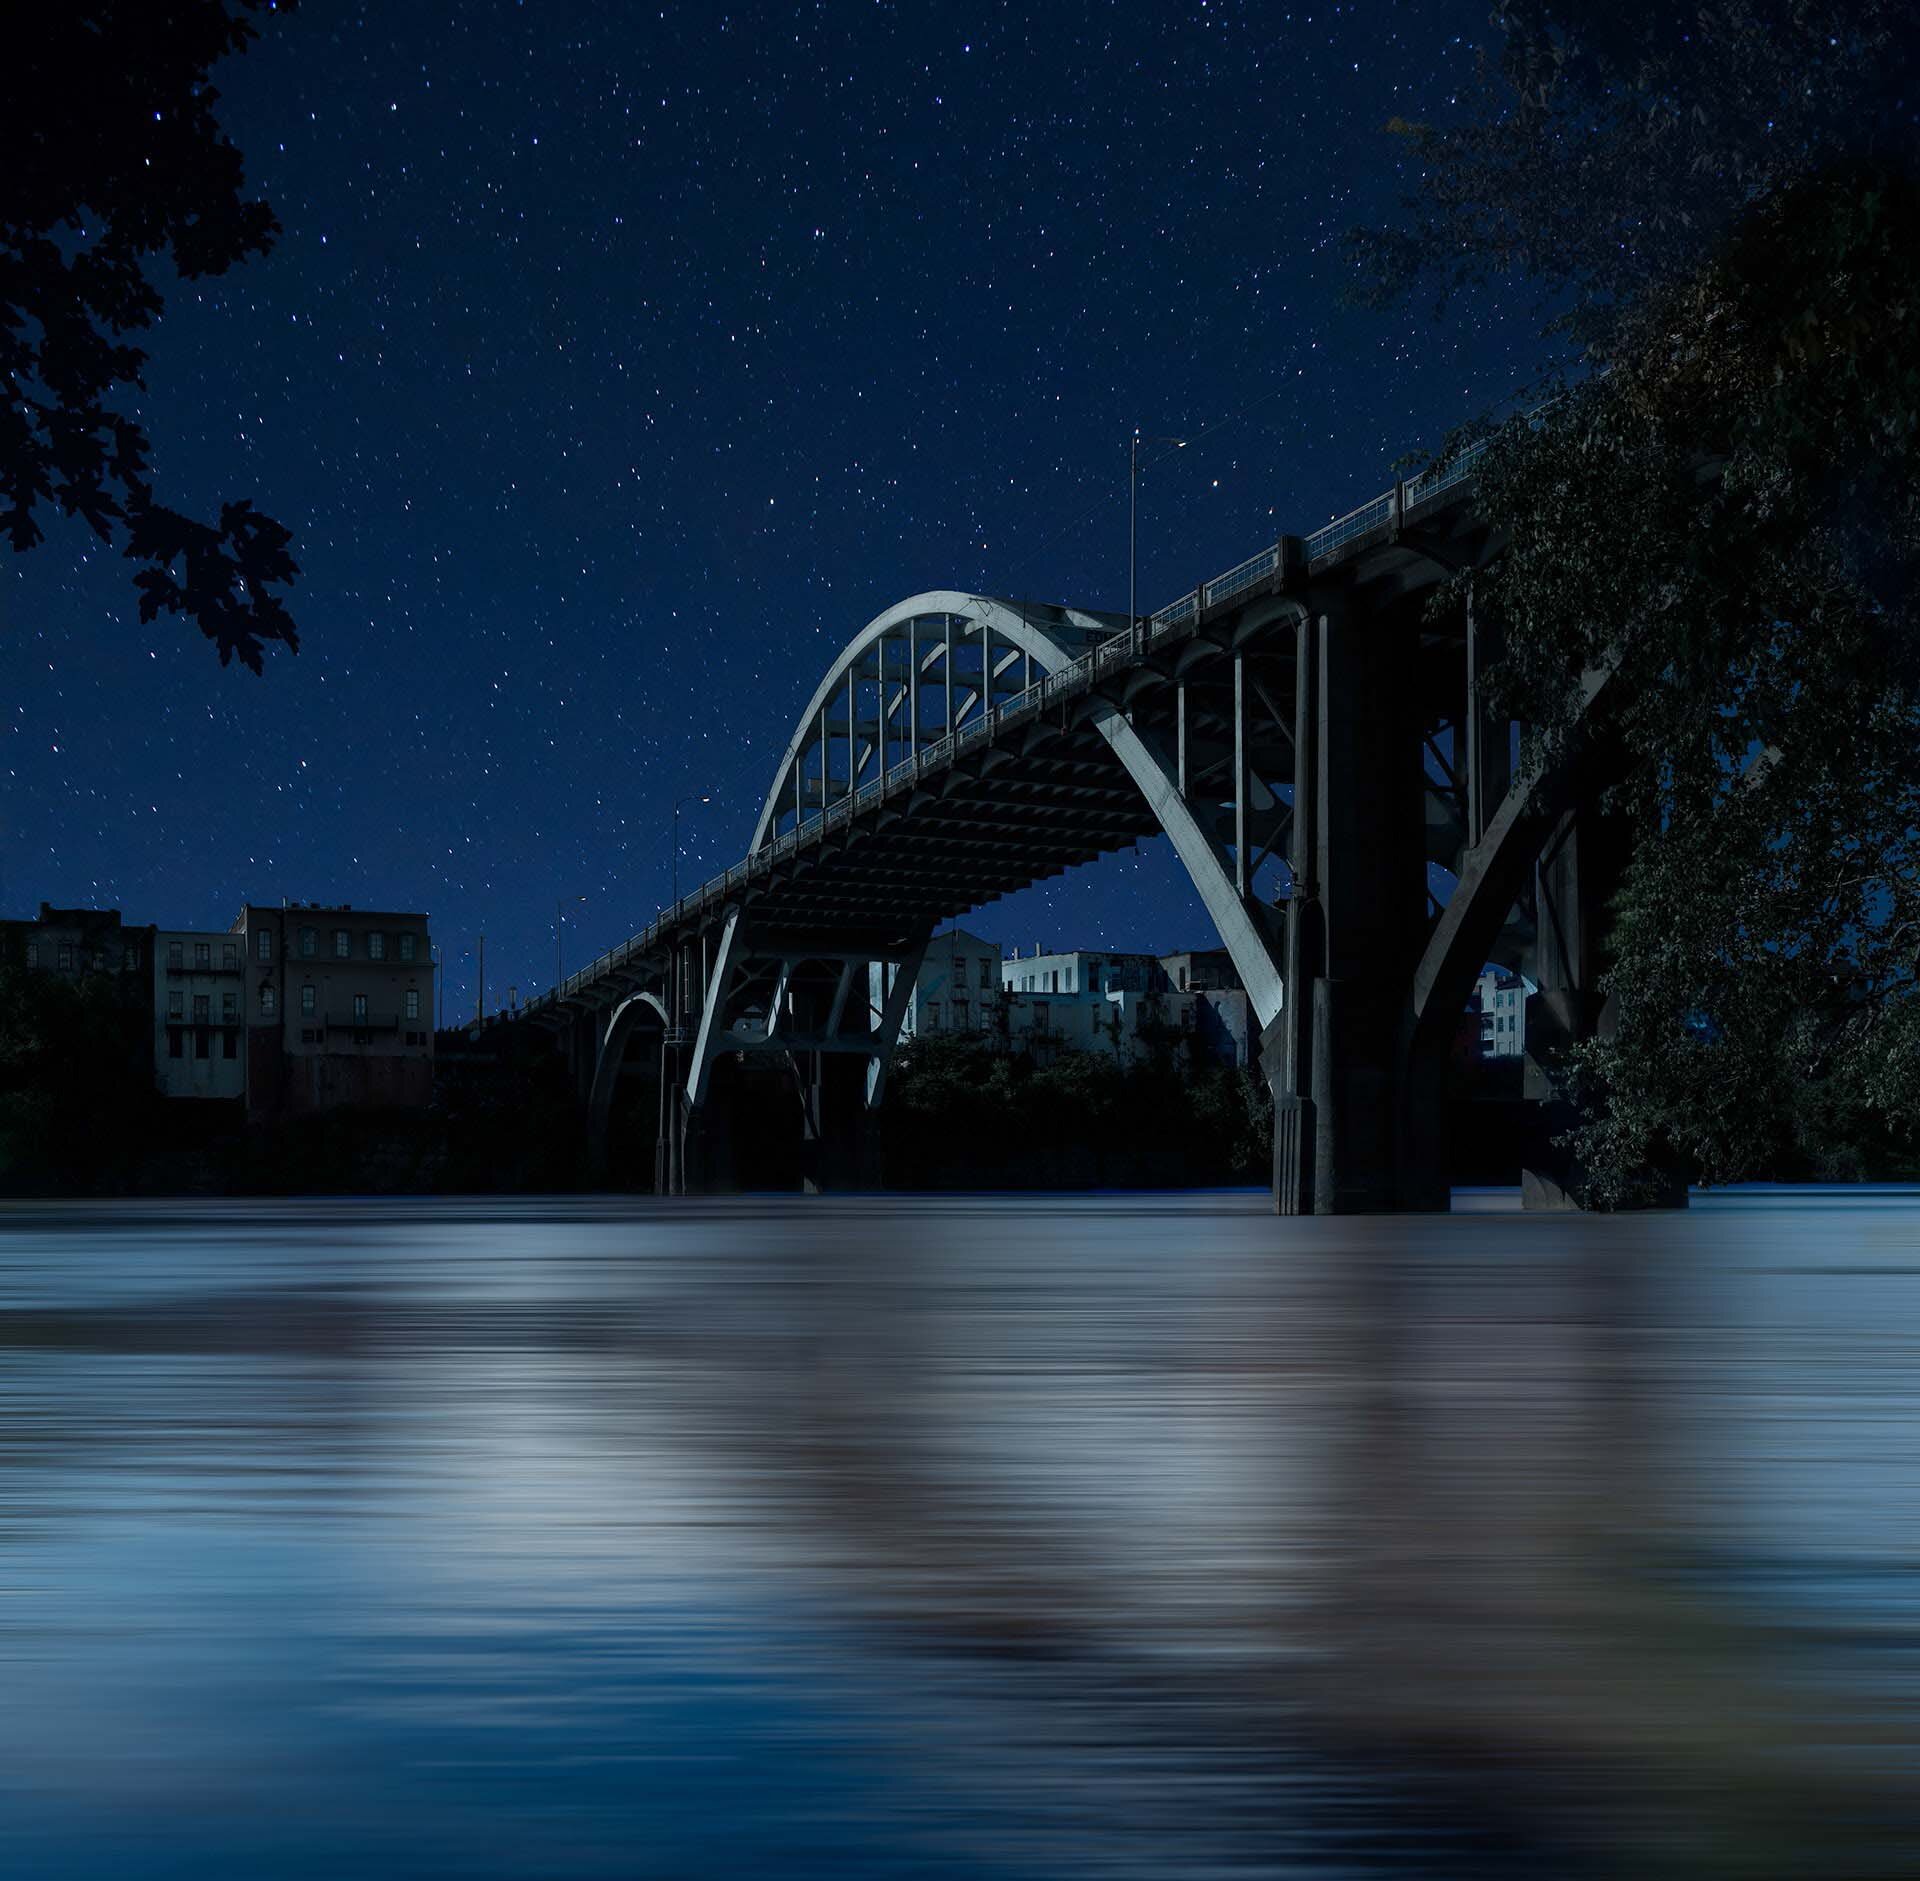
1133,507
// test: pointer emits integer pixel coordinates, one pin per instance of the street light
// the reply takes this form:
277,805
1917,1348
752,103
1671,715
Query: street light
559,911
1133,488
691,797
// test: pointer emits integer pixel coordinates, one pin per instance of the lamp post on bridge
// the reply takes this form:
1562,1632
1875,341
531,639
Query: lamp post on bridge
1133,510
559,962
690,797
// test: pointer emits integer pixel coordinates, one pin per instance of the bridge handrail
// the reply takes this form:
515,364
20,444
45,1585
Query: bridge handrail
1249,571
1356,522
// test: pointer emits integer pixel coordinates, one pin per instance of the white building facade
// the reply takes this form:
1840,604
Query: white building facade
1118,1005
1501,1000
199,1014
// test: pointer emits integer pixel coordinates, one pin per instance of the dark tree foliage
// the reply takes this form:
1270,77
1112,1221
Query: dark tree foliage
111,160
77,1101
1725,520
962,1113
1607,144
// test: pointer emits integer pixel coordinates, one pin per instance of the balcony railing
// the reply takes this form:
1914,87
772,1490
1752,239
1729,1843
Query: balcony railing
364,1021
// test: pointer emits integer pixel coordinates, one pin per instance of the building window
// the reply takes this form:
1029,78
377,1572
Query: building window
311,1036
933,1013
959,970
342,944
960,1015
99,960
33,953
413,1003
266,1002
229,1006
203,1044
202,1008
408,942
376,947
176,1005
1053,976
131,960
306,1002
359,1006
1041,1018
230,1044
202,955
263,944
176,954
176,1042
309,942
66,956
229,953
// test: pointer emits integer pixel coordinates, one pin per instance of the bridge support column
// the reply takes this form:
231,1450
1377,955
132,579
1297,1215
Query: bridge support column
1355,928
841,1144
698,1154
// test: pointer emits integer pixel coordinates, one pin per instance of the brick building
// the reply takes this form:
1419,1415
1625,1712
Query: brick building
339,1007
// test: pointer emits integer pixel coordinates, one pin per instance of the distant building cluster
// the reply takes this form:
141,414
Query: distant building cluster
1126,1006
292,1009
1499,1004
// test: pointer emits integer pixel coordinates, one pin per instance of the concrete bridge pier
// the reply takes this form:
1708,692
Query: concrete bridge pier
841,1143
828,1020
1356,925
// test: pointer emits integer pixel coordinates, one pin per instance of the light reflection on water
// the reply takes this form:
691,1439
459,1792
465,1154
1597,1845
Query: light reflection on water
956,1538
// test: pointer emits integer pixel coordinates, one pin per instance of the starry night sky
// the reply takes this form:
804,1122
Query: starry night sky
615,366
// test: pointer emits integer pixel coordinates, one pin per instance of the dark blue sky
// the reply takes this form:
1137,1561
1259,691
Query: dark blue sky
615,367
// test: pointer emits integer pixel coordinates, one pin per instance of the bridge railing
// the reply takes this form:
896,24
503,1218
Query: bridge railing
1356,522
1103,657
1254,568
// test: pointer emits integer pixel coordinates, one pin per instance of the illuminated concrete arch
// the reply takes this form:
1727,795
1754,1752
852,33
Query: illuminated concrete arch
608,1060
978,649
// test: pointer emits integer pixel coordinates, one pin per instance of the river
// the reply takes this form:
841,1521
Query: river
957,1537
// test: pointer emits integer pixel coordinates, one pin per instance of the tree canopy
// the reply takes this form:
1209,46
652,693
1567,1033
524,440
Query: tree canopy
1723,202
112,160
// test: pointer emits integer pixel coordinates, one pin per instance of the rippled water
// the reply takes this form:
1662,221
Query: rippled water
957,1538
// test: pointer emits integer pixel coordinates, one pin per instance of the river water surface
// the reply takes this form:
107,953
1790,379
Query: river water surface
957,1538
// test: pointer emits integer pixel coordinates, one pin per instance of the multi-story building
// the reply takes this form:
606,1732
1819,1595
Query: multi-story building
1081,971
1500,998
91,947
76,942
1206,970
958,991
339,1006
199,1015
1120,1005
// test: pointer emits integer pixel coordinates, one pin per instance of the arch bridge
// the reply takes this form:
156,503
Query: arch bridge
1303,709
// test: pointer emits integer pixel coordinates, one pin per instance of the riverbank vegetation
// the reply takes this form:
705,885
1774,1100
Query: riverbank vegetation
1721,511
961,1115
